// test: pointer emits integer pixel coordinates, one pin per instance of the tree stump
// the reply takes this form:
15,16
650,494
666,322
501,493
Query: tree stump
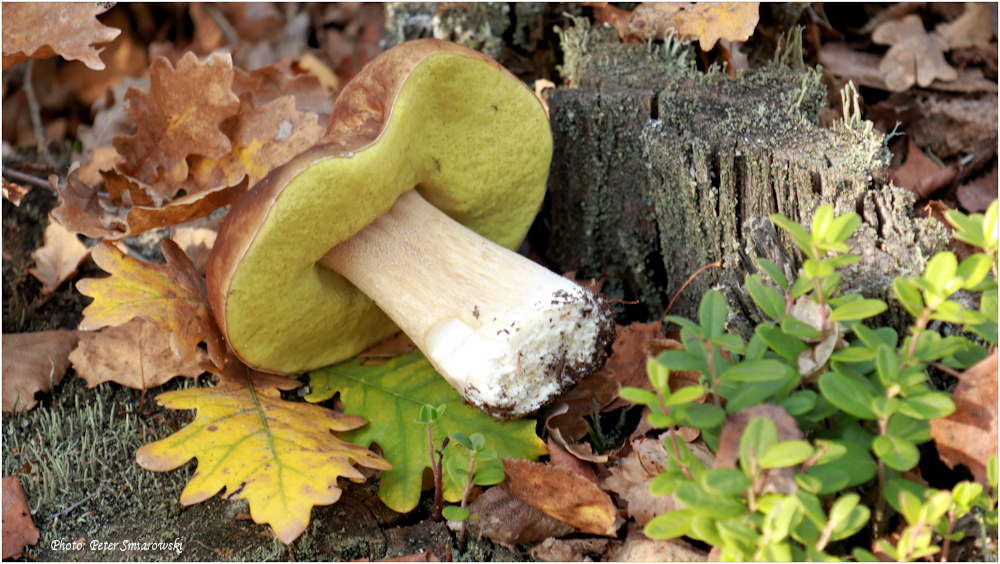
660,170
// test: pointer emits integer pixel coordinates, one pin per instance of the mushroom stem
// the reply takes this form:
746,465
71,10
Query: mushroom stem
507,333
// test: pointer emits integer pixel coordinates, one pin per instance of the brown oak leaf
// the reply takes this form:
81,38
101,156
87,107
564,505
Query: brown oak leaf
39,30
974,28
180,116
18,528
58,259
14,192
506,520
263,137
564,495
33,362
915,56
170,296
969,436
135,355
920,174
631,480
196,238
281,79
705,21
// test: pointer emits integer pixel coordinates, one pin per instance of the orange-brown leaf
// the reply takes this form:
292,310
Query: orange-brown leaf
564,495
33,362
14,192
274,81
969,436
179,116
170,296
135,355
705,21
58,258
18,529
38,30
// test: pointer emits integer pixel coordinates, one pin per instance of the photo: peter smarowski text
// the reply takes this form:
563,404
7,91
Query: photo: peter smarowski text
121,546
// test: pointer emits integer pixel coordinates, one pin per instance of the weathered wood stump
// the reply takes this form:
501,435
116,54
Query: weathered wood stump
660,169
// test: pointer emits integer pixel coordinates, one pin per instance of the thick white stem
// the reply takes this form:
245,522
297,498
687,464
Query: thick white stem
507,333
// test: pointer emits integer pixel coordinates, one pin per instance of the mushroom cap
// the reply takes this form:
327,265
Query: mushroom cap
435,116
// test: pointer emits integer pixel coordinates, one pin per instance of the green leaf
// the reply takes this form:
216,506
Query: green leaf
974,269
847,394
704,416
770,300
800,329
967,229
854,354
730,342
858,309
686,394
703,529
817,269
842,508
743,394
898,454
777,552
390,397
843,227
799,403
659,376
941,271
991,468
759,435
965,493
855,521
489,476
462,439
799,235
887,365
666,483
681,360
686,324
712,313
832,479
738,535
936,506
773,272
801,287
858,462
811,484
718,506
638,396
780,342
787,453
821,221
755,371
893,488
928,406
862,555
909,295
669,525
455,513
914,430
725,481
909,506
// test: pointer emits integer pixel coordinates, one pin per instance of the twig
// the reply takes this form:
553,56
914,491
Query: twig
715,264
75,505
224,26
35,111
18,176
946,369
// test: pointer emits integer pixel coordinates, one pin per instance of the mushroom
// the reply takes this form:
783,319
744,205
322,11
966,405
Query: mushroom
404,214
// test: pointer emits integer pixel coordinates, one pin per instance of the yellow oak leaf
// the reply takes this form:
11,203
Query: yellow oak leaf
705,21
181,115
170,296
278,455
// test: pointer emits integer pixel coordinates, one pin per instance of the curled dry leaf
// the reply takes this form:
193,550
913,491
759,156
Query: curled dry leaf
196,238
33,362
915,56
814,358
508,521
639,548
920,174
564,495
562,459
397,345
14,192
969,436
565,419
776,480
180,116
280,456
170,296
59,257
630,481
18,528
974,28
280,79
705,21
39,30
135,355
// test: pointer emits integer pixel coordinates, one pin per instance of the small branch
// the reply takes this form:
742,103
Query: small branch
716,264
946,369
232,38
947,541
18,176
436,470
35,111
75,505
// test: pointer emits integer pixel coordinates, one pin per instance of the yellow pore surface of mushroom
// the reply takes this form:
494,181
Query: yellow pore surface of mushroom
473,141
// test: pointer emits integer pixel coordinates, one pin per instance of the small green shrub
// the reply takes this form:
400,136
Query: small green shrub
859,394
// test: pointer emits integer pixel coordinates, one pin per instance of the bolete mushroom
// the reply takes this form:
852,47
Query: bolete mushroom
433,168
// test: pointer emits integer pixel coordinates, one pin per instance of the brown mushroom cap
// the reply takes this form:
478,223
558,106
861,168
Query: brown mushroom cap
427,114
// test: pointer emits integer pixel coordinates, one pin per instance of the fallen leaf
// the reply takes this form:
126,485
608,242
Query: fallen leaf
14,192
39,30
920,174
179,116
969,436
639,548
135,355
33,362
573,550
508,521
777,480
705,21
18,528
974,28
976,196
280,79
278,455
263,137
630,480
562,459
170,296
196,238
390,396
397,345
565,419
110,118
58,259
633,345
812,360
253,22
915,56
564,495
604,13
101,158
844,60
